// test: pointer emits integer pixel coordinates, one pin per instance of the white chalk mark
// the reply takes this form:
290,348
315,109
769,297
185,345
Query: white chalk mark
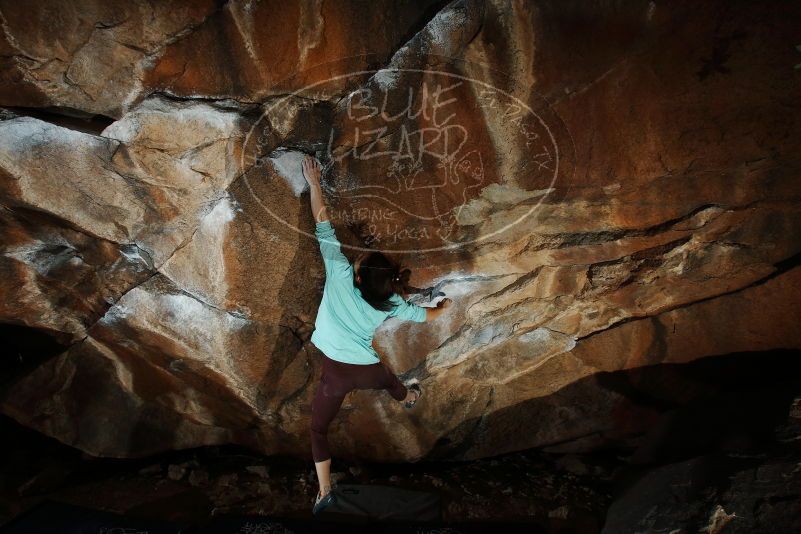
287,164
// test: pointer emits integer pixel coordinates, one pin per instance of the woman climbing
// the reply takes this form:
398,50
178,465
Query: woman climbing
356,300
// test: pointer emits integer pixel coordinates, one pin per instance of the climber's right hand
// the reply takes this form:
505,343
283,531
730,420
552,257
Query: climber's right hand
439,309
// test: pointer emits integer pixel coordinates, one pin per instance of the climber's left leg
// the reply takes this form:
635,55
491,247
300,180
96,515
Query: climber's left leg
324,475
324,409
327,401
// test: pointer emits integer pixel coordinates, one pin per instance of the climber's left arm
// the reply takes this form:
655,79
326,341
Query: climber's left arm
311,171
336,264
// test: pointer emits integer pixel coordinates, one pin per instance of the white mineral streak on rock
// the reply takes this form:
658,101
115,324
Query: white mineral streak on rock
92,66
12,40
494,321
649,14
443,35
123,374
493,198
538,335
199,331
190,404
441,29
43,257
544,344
161,124
86,193
386,78
611,188
243,20
288,165
104,59
464,289
199,267
180,156
136,255
496,318
31,306
283,114
310,29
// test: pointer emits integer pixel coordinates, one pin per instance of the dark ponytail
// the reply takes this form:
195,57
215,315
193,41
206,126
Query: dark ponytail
381,277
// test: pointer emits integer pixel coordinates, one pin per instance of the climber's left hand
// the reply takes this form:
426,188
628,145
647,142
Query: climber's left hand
311,171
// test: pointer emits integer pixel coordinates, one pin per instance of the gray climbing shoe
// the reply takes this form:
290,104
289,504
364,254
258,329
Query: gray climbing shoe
321,503
418,394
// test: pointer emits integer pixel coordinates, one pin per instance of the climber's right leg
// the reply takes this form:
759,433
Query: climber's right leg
379,376
390,381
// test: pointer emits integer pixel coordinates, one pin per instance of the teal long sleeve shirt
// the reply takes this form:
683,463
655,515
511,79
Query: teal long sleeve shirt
345,322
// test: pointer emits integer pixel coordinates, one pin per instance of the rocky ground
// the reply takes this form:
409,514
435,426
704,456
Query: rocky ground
701,468
192,486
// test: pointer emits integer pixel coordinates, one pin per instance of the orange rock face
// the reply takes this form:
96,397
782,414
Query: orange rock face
597,189
256,49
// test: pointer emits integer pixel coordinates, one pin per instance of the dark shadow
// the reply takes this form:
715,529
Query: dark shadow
26,348
658,413
64,117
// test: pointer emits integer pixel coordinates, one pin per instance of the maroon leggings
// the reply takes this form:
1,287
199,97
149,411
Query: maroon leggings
337,380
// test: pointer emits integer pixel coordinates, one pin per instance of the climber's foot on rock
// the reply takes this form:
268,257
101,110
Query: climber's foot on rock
323,501
415,388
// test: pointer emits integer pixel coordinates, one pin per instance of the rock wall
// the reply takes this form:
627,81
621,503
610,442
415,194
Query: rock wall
597,186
